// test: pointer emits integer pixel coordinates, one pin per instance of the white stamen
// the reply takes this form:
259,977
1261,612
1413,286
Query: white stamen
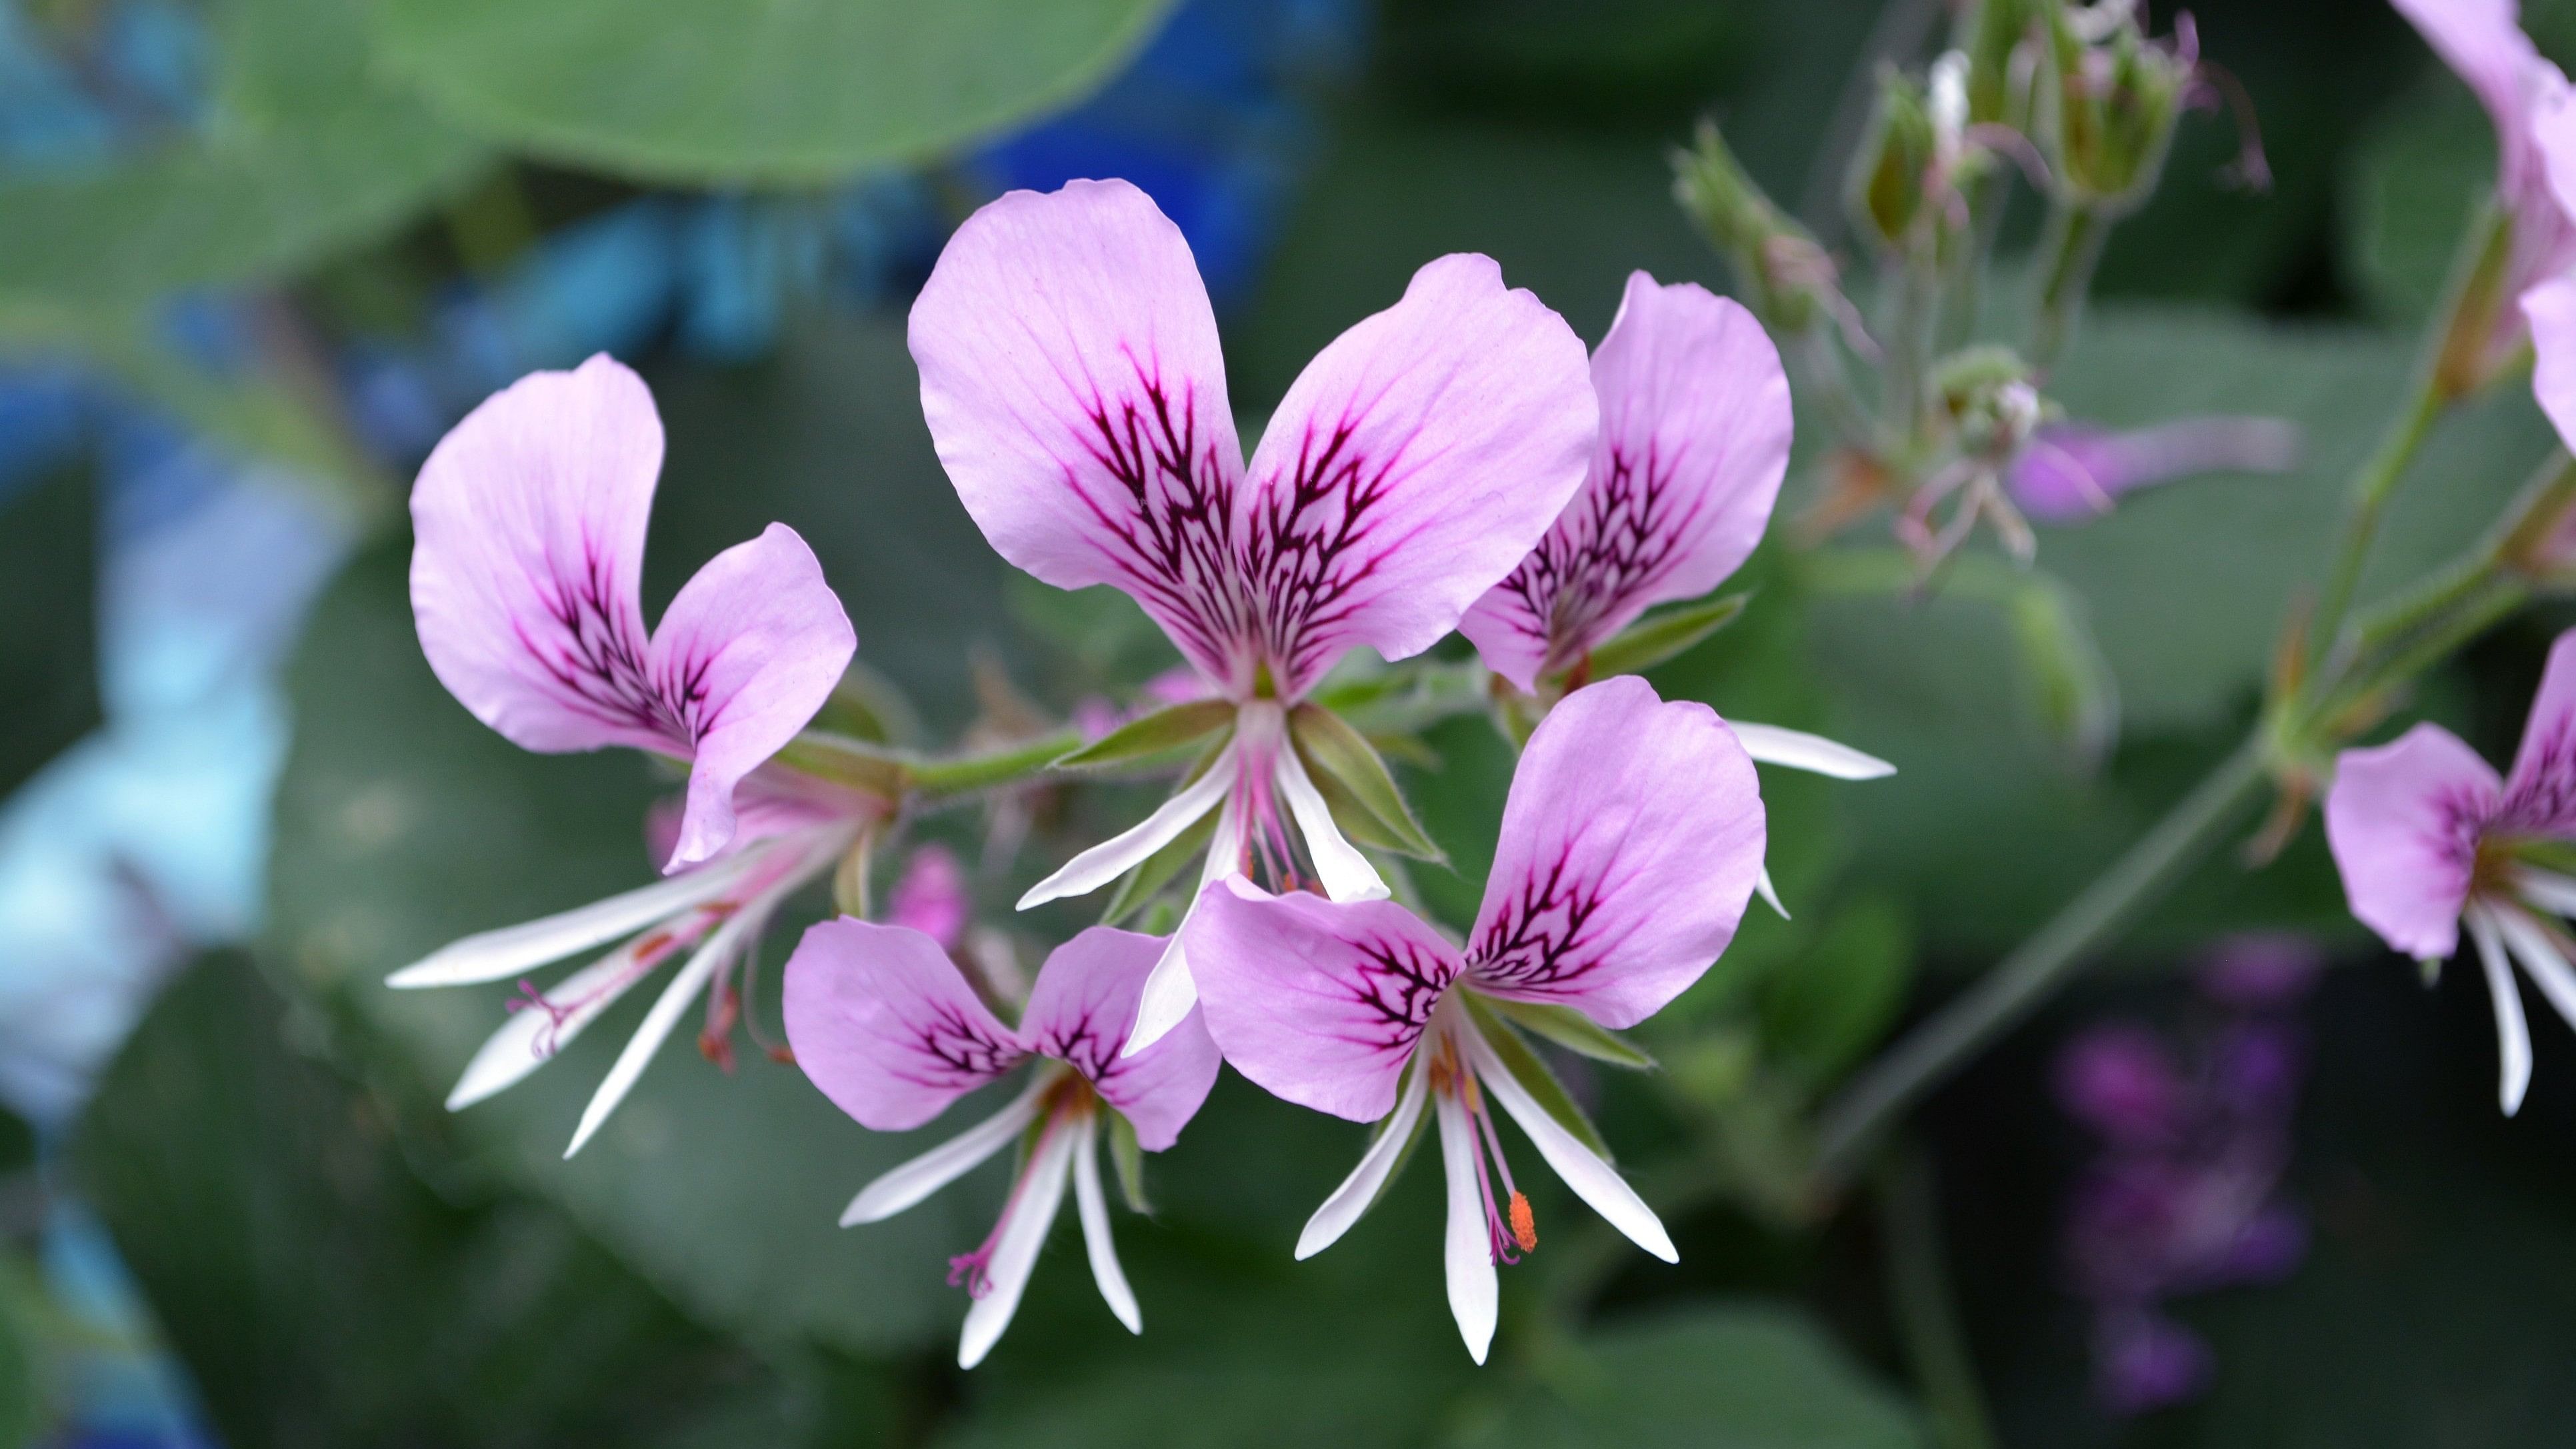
1361,1188
513,950
1593,1180
1345,873
1467,1247
902,1186
1025,1222
511,1053
1949,100
1770,893
1096,1237
2541,959
2547,889
685,986
1799,750
2513,1034
1122,853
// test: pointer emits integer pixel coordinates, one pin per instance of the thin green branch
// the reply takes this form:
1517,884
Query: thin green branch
1920,1301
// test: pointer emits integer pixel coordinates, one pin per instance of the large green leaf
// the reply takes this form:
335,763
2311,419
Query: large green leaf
403,824
322,1295
2412,185
792,91
1733,1377
308,151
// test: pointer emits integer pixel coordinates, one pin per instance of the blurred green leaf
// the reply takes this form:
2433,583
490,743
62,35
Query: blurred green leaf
322,1295
49,542
1822,1010
1734,1377
21,1411
2414,183
307,152
798,92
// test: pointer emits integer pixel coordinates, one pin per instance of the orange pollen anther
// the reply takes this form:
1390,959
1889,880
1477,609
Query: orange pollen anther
1524,1223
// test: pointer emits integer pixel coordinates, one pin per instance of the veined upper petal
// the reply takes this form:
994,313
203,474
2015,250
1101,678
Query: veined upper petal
2540,793
1412,464
2403,821
1079,1013
884,1023
528,523
1631,840
1073,384
1694,440
1317,1001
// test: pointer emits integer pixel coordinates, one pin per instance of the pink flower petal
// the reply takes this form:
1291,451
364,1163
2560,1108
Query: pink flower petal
2526,97
748,651
1695,430
528,540
1319,1002
2540,794
528,525
1079,1013
883,1022
2551,308
1630,843
1072,381
2403,822
1413,463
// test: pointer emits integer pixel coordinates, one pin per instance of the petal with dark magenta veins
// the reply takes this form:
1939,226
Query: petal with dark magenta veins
1073,384
528,541
2540,794
2403,821
1412,464
1319,1002
1630,843
748,651
884,1023
1079,1012
1695,431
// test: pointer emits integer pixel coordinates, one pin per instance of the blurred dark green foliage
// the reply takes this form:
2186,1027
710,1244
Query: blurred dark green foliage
49,589
339,1262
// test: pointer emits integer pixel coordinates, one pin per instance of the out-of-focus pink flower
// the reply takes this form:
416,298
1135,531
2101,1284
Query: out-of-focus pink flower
2073,472
931,896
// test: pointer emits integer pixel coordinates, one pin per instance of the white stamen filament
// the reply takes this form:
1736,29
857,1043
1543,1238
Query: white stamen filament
1122,853
514,950
1799,750
1466,1248
2513,1034
1025,1220
1170,991
1097,1240
1361,1188
901,1186
1345,873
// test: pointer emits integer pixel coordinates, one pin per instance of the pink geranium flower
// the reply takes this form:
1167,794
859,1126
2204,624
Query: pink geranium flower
528,548
2427,837
2527,98
885,1024
1072,380
1630,844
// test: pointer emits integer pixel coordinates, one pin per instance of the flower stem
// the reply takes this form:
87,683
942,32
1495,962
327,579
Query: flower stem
2370,491
2074,247
967,774
1926,1314
2001,998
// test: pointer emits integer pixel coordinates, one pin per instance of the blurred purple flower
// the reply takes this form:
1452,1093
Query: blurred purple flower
2074,472
931,896
2183,1196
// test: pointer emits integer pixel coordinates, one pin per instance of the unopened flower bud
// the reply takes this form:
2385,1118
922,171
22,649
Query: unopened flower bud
2110,103
1787,278
1987,392
1887,189
2004,42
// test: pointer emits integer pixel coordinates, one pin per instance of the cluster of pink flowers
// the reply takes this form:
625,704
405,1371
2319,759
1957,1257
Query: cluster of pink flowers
1453,463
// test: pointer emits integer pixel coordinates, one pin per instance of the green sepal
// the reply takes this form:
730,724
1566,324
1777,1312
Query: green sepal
1658,637
1158,733
1127,1159
1573,1031
1355,784
1533,1074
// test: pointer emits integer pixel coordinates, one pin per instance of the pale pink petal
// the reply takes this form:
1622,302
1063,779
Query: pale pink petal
2540,794
2482,40
1072,380
2074,472
747,652
1695,430
1413,463
2403,821
1630,843
1079,1013
885,1024
1318,1002
2551,307
527,544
